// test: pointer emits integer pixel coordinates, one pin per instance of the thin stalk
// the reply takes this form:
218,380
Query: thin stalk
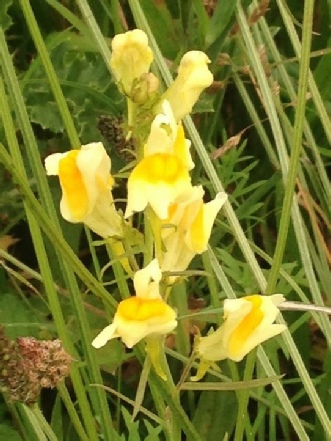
281,147
250,107
50,71
42,258
316,96
98,397
74,418
288,84
48,431
243,398
70,258
120,275
212,287
296,146
263,359
296,216
35,423
96,32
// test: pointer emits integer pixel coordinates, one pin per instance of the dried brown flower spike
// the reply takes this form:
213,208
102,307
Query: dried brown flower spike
27,365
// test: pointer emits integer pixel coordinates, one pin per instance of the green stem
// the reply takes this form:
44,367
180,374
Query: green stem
46,428
120,275
296,146
179,417
34,422
243,398
98,398
37,238
74,418
213,287
50,72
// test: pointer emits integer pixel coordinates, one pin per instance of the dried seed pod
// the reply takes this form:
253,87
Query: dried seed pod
112,129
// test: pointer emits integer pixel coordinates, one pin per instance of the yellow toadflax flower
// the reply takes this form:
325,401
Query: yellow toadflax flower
145,314
166,136
86,185
248,322
162,175
187,229
157,180
193,77
131,58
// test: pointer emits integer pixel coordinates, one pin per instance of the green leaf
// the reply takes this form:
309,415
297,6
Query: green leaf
153,432
166,30
8,433
219,26
17,318
132,426
110,356
216,415
86,82
57,419
5,19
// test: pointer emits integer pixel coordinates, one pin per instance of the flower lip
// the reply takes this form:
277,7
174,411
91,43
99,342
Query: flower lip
160,167
166,136
157,180
138,309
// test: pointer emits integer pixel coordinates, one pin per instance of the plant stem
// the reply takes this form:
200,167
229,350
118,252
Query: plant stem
243,398
296,145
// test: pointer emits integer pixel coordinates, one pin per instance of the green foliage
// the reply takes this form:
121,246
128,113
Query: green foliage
212,416
134,431
7,432
86,83
66,286
5,18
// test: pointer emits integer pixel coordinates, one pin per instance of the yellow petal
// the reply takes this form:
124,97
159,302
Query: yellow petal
146,281
108,333
193,77
247,326
159,167
73,186
157,180
131,57
199,233
249,321
166,136
138,309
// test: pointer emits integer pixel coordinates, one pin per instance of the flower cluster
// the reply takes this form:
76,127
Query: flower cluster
27,365
160,185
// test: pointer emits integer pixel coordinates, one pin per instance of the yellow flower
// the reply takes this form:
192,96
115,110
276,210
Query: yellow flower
248,322
162,175
166,136
145,314
157,180
131,57
86,185
187,229
193,77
